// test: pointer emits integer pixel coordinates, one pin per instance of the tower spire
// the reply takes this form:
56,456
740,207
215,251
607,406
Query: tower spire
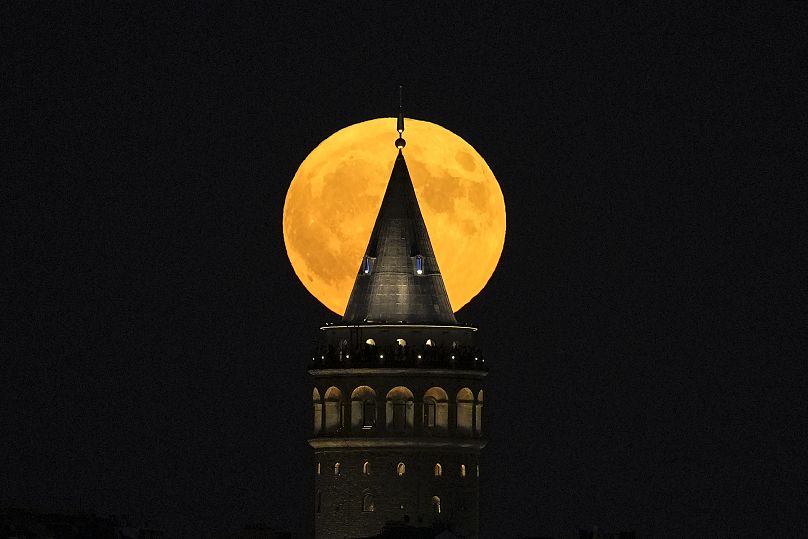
399,280
400,142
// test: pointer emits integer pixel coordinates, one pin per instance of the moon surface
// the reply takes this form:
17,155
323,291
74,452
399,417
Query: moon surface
334,198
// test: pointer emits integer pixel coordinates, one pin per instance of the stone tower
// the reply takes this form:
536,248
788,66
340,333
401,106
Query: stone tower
398,390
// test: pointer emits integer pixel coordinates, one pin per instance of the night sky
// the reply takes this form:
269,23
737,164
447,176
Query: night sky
641,329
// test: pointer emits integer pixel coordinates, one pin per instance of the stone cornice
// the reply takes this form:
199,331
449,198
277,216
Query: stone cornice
398,443
414,372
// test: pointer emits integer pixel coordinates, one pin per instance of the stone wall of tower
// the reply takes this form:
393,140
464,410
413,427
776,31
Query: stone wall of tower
341,504
453,440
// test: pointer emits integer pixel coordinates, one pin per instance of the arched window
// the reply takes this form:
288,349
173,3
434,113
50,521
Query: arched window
334,410
336,468
429,412
370,342
465,404
478,470
318,411
399,410
436,505
363,408
318,501
438,470
401,469
366,468
436,410
462,470
367,503
478,414
318,468
419,265
430,342
401,342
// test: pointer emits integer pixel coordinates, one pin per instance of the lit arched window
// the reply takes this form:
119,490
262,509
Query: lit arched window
419,265
367,503
429,412
436,410
438,470
401,469
318,468
478,409
430,342
336,468
318,411
401,342
334,410
363,408
366,468
436,504
478,470
370,342
462,470
465,407
399,410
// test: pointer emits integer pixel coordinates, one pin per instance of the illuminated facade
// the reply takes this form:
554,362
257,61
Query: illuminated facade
398,390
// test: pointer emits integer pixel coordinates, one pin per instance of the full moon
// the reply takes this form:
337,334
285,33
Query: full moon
335,195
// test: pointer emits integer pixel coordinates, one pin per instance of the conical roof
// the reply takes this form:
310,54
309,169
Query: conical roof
398,279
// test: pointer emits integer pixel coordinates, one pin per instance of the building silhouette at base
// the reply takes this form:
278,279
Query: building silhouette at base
18,523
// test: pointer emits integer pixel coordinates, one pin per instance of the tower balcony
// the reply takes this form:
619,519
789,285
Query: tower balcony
396,356
397,346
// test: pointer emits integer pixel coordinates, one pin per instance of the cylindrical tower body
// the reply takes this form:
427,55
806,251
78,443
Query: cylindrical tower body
397,420
398,390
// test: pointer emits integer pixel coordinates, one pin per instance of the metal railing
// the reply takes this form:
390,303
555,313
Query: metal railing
367,356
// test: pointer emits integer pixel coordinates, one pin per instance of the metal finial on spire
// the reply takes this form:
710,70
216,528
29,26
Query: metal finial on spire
400,142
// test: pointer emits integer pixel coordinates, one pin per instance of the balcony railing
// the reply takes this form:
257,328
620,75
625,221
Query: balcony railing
369,356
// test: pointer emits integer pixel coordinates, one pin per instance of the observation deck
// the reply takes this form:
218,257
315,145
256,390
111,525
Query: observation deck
403,346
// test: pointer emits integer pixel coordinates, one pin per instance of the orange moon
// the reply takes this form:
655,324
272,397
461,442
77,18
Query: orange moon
335,195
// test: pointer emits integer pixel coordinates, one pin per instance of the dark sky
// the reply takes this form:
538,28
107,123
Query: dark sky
641,328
